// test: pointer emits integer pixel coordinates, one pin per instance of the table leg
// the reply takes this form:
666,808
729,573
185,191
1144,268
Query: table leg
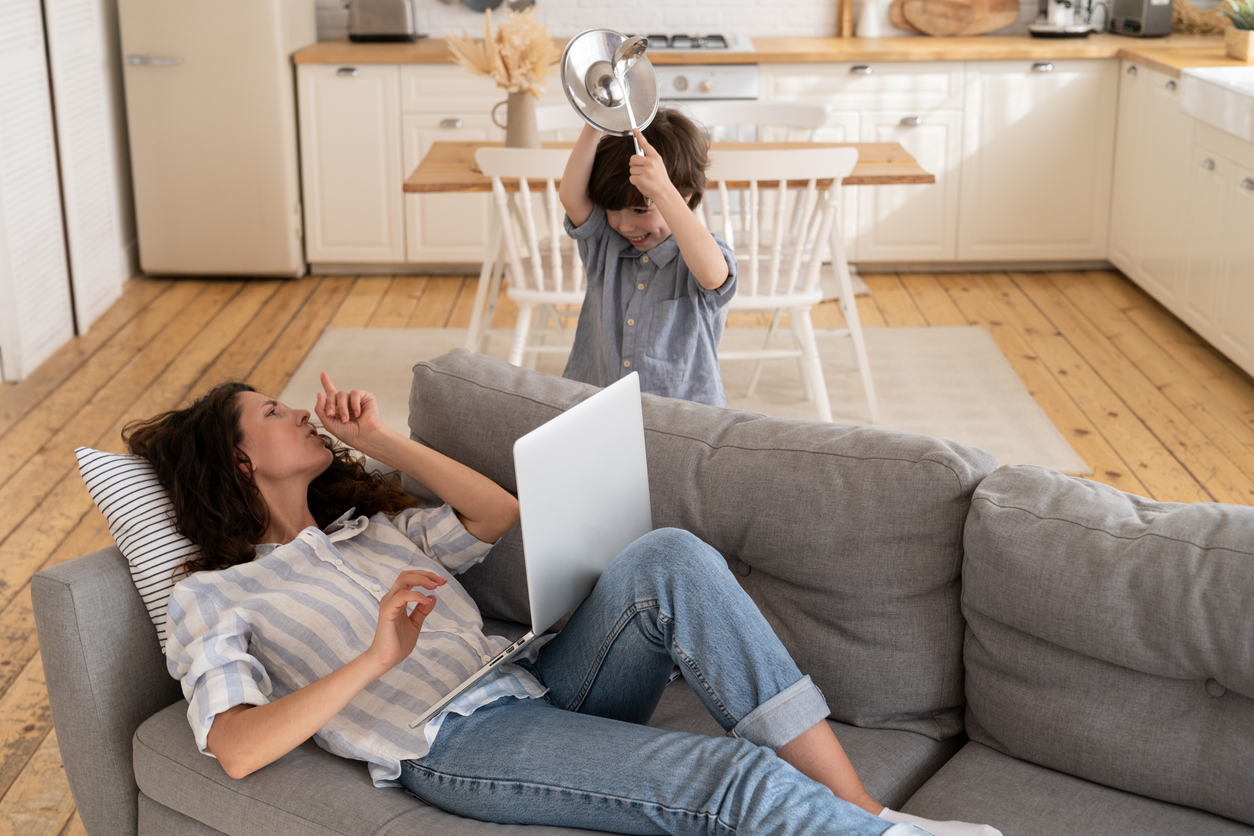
487,277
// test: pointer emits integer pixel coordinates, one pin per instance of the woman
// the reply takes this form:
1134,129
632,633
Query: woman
303,616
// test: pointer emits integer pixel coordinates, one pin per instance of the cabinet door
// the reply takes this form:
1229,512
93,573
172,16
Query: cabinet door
1125,208
1236,337
1208,175
351,168
1038,140
1164,173
913,223
442,228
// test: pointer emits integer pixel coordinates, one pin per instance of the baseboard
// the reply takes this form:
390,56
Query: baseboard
433,269
979,266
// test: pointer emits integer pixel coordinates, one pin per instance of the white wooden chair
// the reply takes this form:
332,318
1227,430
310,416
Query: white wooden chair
540,276
791,210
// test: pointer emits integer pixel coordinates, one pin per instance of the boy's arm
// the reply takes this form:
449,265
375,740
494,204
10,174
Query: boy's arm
574,189
701,252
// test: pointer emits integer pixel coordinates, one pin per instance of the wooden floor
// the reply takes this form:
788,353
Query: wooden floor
1143,400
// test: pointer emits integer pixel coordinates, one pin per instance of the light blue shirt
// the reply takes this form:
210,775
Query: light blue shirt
261,630
647,313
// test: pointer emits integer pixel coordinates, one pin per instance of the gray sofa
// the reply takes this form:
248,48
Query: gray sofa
1010,646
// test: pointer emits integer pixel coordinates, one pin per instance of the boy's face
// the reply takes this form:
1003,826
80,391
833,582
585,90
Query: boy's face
644,228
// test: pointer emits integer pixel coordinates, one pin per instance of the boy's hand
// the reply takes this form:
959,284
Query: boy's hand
648,173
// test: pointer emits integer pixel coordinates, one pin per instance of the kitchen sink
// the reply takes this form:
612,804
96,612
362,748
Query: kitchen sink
1222,97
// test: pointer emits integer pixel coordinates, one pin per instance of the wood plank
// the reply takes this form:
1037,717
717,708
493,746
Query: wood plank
399,302
137,294
361,303
39,802
932,300
1231,441
25,720
74,827
895,304
280,362
460,317
437,303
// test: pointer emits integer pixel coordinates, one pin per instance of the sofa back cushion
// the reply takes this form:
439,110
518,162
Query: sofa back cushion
848,538
1112,637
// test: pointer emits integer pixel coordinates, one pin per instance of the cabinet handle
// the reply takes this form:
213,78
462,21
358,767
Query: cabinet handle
860,69
451,123
911,121
1043,67
1208,164
350,72
1171,85
1132,70
149,61
1248,184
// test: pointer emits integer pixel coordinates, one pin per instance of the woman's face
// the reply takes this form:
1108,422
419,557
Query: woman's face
279,441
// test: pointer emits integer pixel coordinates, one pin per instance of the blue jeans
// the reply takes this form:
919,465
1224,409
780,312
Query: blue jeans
582,757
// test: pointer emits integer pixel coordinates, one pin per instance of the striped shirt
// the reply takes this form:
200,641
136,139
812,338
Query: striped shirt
261,630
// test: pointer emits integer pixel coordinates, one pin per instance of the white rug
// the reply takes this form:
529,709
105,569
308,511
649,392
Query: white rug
951,383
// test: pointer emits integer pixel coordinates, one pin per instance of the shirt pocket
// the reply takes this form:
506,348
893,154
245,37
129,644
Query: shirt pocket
673,331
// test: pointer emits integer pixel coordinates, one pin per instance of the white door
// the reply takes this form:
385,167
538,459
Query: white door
351,163
1207,179
1236,338
444,228
913,223
1164,180
1129,176
1038,140
35,314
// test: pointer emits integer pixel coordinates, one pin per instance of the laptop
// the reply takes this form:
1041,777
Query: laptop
583,496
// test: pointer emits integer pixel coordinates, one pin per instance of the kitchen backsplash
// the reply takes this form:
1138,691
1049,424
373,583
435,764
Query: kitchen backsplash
563,18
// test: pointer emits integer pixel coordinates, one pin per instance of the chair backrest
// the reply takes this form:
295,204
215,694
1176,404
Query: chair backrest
787,208
559,122
517,214
758,121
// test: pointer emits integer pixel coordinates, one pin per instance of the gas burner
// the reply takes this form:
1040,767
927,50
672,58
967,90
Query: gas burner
700,43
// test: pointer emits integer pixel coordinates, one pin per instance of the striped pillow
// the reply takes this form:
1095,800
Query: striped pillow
141,520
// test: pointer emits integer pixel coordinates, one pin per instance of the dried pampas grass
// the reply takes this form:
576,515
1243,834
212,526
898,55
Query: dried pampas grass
518,58
1187,18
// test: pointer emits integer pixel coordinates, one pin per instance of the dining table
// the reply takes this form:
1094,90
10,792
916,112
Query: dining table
449,168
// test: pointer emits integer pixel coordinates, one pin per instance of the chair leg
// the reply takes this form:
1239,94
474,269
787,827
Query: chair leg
757,367
810,350
799,341
850,309
525,312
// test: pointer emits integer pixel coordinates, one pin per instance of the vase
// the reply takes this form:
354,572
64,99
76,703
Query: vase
871,21
1239,44
520,121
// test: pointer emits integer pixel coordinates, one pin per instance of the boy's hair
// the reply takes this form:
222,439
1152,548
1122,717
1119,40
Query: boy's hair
682,147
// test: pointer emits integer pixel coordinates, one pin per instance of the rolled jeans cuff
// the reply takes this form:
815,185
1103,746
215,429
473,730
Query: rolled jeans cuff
783,717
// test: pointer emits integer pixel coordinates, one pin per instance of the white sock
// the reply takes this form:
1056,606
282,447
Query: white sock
939,828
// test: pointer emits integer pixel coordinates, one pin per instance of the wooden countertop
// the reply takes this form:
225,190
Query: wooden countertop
450,166
1168,55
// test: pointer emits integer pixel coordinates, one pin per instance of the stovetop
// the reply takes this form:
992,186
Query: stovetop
681,42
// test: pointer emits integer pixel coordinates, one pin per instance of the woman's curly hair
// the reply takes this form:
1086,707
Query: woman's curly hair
196,453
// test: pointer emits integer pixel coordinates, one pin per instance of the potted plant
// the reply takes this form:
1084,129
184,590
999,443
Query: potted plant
1239,40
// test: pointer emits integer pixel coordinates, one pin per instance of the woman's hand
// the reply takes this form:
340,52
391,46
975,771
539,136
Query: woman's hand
648,173
397,633
352,417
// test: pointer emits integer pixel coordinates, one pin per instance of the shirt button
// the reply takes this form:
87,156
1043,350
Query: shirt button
627,364
640,287
338,562
631,322
645,259
376,587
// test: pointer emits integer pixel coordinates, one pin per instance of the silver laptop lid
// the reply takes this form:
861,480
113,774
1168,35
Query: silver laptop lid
583,496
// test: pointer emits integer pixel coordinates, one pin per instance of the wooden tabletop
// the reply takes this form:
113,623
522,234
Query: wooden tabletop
1165,54
450,166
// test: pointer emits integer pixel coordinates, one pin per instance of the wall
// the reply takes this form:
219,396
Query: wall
563,18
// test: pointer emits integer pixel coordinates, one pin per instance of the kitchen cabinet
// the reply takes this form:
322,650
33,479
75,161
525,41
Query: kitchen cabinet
1208,173
351,165
1124,244
1236,317
1038,138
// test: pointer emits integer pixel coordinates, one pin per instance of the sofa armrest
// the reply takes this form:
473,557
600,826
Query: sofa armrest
106,674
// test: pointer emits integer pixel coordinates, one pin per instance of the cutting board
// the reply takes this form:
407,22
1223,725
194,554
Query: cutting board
960,17
898,17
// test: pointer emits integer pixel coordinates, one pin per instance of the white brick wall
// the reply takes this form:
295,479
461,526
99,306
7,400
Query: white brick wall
563,18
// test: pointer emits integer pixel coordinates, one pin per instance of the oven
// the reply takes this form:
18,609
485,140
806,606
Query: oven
704,82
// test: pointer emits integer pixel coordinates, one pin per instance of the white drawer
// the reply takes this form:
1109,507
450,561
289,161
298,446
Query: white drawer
869,85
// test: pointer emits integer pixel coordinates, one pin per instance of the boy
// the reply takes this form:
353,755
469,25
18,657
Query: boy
658,280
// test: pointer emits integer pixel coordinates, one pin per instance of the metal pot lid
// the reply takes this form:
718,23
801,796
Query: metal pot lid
586,71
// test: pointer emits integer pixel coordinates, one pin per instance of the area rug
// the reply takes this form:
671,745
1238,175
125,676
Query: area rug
951,383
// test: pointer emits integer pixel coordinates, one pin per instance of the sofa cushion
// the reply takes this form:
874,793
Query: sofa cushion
1022,799
849,539
1112,637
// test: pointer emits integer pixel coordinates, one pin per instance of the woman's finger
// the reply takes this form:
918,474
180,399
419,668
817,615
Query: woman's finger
327,384
341,406
354,400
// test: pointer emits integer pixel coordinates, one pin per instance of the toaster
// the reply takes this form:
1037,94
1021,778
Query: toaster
381,20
